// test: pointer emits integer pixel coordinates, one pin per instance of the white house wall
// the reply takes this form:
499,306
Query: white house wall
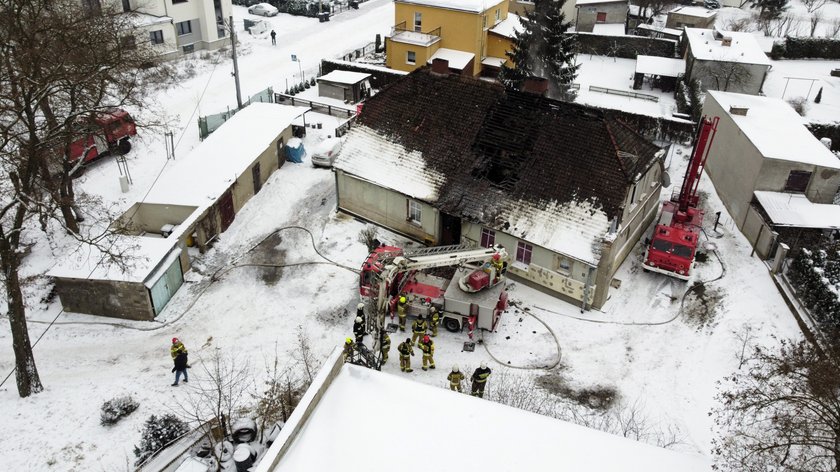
385,207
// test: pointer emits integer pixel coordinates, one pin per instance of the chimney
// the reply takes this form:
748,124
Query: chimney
440,66
726,41
741,111
535,85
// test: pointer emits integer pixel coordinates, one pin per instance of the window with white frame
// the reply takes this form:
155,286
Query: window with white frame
498,14
410,57
418,22
488,237
414,212
523,252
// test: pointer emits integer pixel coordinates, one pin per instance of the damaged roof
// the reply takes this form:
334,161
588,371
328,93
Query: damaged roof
548,172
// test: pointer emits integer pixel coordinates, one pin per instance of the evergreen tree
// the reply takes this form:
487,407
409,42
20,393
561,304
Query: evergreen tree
818,98
770,9
544,48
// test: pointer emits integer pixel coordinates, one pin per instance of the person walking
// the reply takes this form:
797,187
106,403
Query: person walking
479,380
385,345
401,311
406,350
455,378
273,38
434,320
177,348
428,349
180,367
418,330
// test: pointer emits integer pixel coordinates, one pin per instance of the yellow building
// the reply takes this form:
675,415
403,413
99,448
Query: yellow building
472,35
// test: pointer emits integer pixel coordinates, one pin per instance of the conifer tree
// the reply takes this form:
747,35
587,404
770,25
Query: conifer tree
544,48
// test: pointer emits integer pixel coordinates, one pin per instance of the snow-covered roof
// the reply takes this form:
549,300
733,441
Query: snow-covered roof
794,209
493,61
378,159
660,29
203,175
478,434
694,11
143,254
592,2
508,27
474,6
775,129
139,19
457,59
706,45
664,66
344,77
608,29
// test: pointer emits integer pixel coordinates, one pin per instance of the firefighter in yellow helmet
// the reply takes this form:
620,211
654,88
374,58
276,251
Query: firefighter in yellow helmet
428,349
434,320
455,378
385,345
406,350
401,311
418,330
348,350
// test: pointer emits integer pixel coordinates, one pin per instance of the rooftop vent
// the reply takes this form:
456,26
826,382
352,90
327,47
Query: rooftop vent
726,41
741,111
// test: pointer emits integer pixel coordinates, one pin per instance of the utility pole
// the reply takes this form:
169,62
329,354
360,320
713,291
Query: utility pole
235,64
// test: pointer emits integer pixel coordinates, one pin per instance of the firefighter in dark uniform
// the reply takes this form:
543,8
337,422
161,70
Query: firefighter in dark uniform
455,378
359,329
406,350
428,349
385,345
418,330
479,380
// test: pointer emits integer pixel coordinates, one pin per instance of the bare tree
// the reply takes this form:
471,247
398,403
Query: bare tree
61,64
813,5
834,29
815,21
783,411
728,75
304,356
216,395
746,336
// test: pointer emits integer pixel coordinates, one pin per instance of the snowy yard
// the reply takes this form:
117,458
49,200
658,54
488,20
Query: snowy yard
651,346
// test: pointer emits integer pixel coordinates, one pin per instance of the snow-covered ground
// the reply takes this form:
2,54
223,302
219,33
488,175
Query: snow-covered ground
653,349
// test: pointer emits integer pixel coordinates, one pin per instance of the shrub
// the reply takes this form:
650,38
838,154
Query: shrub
158,431
800,104
116,409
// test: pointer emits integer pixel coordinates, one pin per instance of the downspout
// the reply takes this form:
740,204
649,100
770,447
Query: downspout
586,289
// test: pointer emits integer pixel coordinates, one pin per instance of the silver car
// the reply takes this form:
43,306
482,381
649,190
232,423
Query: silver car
325,152
263,9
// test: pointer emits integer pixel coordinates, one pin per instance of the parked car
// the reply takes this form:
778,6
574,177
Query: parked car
325,152
263,9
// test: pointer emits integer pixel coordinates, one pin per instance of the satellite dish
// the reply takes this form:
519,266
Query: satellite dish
666,180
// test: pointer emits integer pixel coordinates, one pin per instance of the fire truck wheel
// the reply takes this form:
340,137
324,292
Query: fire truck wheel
124,146
452,325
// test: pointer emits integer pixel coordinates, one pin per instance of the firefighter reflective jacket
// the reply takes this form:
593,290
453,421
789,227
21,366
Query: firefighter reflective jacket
455,377
405,349
480,375
428,348
419,326
386,341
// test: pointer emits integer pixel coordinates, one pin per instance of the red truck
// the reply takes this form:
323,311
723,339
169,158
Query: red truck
106,133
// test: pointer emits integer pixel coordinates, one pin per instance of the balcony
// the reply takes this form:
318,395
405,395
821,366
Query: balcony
401,34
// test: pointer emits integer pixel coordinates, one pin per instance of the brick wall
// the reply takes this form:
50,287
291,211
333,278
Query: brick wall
127,300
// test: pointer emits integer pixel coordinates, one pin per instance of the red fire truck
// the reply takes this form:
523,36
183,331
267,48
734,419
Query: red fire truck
103,134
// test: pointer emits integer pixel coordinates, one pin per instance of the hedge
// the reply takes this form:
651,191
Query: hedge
806,48
826,130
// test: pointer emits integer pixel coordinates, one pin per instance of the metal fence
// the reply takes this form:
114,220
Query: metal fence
624,93
208,124
333,110
358,53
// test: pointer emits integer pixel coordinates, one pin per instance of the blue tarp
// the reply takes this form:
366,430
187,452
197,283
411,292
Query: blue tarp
295,154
